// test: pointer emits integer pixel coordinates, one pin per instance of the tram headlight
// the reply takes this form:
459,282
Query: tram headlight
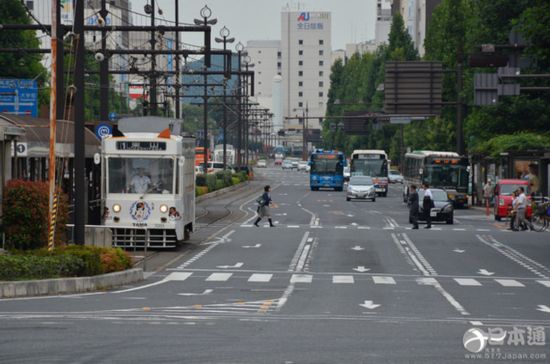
116,207
163,209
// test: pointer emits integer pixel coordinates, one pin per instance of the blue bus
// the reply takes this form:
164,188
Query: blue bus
327,170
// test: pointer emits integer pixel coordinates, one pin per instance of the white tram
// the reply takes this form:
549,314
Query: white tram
148,183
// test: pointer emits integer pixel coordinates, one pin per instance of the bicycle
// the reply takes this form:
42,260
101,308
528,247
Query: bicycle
540,220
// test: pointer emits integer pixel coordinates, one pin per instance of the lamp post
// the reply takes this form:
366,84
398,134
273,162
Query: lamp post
224,34
247,65
305,115
239,48
206,12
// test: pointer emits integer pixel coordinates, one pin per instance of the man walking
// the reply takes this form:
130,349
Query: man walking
521,203
413,207
265,202
488,195
427,203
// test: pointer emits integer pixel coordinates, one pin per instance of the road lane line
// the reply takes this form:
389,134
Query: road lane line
467,282
175,276
419,255
260,278
545,283
509,283
219,277
294,260
343,279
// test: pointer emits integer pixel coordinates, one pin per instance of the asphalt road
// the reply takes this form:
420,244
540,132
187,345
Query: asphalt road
333,282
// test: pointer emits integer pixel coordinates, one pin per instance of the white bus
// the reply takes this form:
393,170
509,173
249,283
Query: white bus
148,186
373,163
230,154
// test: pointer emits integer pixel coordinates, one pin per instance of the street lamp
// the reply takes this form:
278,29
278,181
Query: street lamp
224,34
206,13
239,47
248,65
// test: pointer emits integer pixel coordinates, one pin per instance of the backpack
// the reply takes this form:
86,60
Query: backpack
260,200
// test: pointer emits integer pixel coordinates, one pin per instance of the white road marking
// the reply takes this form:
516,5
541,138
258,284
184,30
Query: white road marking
467,282
177,276
343,279
246,225
361,269
509,283
369,305
258,277
545,283
340,227
357,248
426,281
485,272
383,280
476,323
174,276
543,308
301,278
459,229
363,227
204,293
293,226
219,277
459,251
294,261
251,246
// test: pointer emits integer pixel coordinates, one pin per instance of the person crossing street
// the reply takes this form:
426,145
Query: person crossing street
427,204
413,207
264,206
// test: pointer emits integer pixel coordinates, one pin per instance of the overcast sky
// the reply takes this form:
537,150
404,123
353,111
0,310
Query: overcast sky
352,20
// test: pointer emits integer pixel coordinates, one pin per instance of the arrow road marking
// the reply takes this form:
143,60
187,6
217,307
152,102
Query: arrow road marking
369,305
485,272
361,269
459,251
543,308
206,291
252,246
237,265
357,248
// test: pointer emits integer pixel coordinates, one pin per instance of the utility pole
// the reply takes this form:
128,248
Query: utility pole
153,76
104,68
178,106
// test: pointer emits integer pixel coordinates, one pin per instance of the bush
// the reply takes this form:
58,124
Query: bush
200,180
219,184
201,190
25,206
227,178
114,260
211,182
90,256
235,180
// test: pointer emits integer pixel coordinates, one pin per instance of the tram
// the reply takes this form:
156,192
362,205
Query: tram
148,183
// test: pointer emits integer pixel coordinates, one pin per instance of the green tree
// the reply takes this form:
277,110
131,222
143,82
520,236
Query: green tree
534,24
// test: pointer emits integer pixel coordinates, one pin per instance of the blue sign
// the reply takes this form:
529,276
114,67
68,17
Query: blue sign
103,130
19,97
113,116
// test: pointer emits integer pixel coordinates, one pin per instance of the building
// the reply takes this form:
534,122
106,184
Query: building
306,58
383,21
416,16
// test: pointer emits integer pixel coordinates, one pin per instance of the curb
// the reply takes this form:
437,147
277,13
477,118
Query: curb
221,191
57,286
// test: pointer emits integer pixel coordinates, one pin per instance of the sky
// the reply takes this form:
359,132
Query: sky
352,20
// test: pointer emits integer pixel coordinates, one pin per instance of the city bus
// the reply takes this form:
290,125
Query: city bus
327,170
446,170
199,156
229,154
148,185
373,163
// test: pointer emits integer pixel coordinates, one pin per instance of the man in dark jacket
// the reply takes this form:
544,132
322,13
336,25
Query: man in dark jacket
413,207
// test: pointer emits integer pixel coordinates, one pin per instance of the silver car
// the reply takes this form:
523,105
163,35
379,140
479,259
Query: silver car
361,187
395,176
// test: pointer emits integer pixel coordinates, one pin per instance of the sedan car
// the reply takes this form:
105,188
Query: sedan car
302,166
287,164
443,207
361,187
262,163
395,176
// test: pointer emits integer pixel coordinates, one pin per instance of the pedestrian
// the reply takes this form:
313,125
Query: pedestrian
521,222
264,206
488,191
413,207
513,210
427,204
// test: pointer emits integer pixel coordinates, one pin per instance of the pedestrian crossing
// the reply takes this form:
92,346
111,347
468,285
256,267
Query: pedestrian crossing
355,226
347,279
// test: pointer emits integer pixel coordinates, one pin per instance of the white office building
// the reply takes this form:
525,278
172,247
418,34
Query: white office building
383,21
306,58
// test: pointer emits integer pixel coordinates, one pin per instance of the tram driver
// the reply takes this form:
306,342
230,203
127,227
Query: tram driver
140,182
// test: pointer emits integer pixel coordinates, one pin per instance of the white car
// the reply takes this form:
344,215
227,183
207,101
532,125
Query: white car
213,167
287,164
302,166
361,187
395,177
262,163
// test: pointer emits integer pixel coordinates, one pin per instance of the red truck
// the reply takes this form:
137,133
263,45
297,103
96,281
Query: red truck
504,190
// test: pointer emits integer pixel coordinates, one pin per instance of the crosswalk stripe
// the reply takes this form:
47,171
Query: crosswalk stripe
178,276
467,282
343,279
258,277
383,280
219,277
301,278
545,283
509,283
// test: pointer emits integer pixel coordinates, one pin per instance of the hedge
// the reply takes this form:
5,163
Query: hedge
69,261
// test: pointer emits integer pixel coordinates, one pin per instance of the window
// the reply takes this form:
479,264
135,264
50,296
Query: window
279,54
300,63
300,94
300,84
300,104
321,52
300,41
300,52
300,73
30,4
321,83
321,63
278,64
320,94
259,51
259,62
321,42
321,73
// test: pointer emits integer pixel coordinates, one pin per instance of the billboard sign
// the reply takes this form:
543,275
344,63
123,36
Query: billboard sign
19,97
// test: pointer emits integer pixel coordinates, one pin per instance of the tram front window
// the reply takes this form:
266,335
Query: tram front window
141,175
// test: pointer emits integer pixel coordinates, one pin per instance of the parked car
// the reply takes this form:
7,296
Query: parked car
361,187
443,209
262,163
302,166
212,167
287,164
395,176
503,197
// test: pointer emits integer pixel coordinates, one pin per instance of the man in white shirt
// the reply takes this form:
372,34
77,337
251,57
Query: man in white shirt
140,182
427,203
521,204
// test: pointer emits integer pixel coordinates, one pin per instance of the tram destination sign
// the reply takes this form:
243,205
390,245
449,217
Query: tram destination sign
142,146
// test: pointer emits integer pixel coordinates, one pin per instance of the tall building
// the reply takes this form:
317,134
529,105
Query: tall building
306,57
383,21
416,16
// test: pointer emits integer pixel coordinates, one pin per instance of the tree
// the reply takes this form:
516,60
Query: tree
400,46
534,24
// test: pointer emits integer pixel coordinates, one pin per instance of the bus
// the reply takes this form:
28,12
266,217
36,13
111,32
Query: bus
199,156
148,186
229,154
373,163
446,170
327,170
